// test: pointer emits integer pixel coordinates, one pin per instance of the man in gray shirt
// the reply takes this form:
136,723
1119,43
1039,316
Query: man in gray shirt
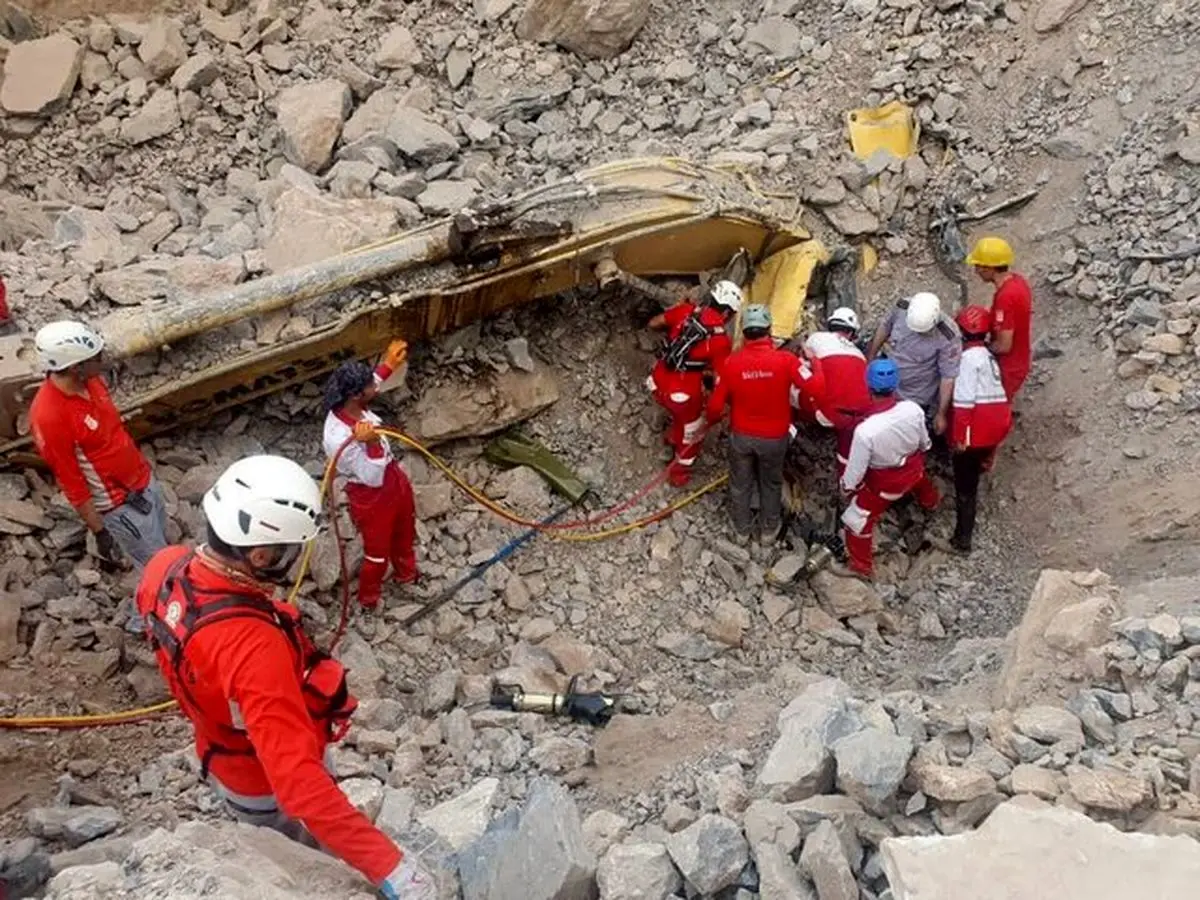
926,347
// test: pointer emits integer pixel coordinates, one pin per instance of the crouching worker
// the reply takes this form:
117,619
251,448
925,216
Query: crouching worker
263,701
981,419
696,347
380,494
887,461
845,369
756,382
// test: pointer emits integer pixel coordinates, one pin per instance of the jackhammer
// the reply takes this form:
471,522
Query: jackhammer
592,708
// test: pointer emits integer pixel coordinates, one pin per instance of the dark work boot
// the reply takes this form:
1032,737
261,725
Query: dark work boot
965,508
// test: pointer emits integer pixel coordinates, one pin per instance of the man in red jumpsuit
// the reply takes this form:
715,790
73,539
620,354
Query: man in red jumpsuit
846,398
696,346
380,494
1012,311
264,703
757,382
980,420
887,461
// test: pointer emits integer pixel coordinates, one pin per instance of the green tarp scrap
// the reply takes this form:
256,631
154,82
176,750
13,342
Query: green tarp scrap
517,449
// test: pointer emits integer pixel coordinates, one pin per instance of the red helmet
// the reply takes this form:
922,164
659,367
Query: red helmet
974,320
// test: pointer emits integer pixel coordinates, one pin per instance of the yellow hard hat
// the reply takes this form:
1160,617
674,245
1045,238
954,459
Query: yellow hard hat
992,252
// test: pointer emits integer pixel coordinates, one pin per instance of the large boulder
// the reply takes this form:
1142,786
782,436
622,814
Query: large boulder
711,853
638,871
450,411
305,227
199,861
1028,849
801,762
538,853
594,28
311,117
40,75
870,766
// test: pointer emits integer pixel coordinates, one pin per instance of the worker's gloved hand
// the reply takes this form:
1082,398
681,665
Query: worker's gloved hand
408,881
366,433
107,548
396,355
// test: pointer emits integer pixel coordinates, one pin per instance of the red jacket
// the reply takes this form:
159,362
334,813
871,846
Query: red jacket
1012,310
242,691
757,382
713,351
85,444
982,413
845,369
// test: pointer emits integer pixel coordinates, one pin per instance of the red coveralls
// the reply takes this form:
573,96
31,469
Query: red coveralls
1012,310
887,461
846,399
240,672
681,394
381,503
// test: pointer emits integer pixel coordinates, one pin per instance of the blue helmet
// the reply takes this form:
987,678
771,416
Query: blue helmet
883,377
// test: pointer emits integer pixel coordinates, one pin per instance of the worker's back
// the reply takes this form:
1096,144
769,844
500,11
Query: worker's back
759,379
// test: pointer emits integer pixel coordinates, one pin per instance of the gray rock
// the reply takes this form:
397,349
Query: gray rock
870,766
824,859
778,877
780,37
710,853
198,72
396,811
801,762
420,138
517,351
594,28
157,118
398,50
163,49
1071,143
311,116
463,819
690,646
851,218
767,822
1189,627
40,75
537,853
1051,14
1049,725
1144,312
637,871
602,829
1096,722
445,197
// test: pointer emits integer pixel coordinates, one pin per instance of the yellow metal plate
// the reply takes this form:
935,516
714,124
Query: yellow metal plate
891,127
781,285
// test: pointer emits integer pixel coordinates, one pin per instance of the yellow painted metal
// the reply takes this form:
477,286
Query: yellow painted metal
655,217
781,284
891,127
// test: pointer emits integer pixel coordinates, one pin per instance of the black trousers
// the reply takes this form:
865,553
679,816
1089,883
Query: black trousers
969,466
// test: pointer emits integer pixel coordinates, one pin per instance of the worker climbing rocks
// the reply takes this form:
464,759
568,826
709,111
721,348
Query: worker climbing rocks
887,461
695,349
844,366
1012,311
925,345
981,420
79,433
380,494
264,703
756,382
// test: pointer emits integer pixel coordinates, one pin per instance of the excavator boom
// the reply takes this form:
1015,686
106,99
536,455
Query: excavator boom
643,218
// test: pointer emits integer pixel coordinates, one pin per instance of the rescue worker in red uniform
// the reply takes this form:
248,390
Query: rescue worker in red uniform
264,703
757,382
695,349
1012,311
79,433
380,494
887,462
980,420
844,366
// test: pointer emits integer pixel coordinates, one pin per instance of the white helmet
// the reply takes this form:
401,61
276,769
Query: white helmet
263,500
924,310
63,344
728,294
845,317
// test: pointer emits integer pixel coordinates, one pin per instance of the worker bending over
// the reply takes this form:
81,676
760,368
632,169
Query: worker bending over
925,346
981,420
264,703
887,461
1012,311
844,366
695,349
380,494
79,433
756,382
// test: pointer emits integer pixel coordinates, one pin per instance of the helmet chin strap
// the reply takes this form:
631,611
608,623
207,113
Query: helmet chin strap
277,571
